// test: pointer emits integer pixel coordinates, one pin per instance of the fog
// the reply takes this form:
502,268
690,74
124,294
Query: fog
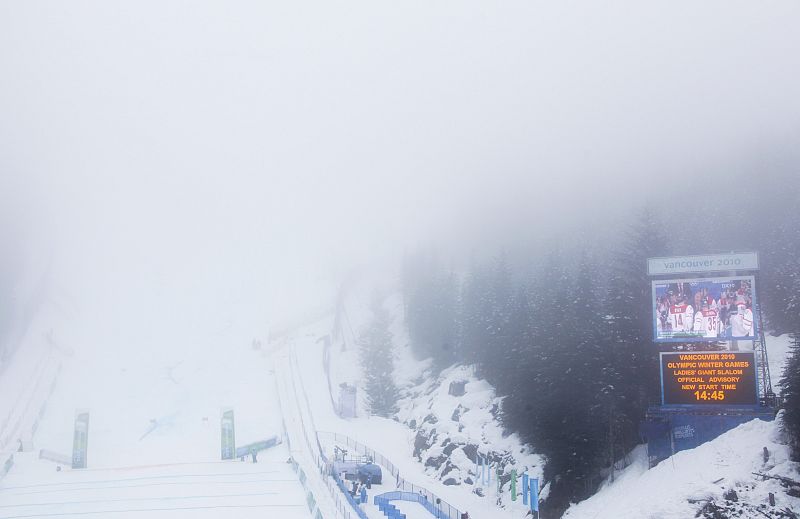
178,165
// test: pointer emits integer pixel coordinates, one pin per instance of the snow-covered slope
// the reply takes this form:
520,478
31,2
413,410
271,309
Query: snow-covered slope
445,431
684,485
193,490
155,418
434,438
154,429
450,431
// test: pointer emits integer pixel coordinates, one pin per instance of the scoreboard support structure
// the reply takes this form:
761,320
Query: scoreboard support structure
669,430
766,396
706,391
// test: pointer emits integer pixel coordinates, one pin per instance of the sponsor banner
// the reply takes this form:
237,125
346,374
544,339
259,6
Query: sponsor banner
80,441
250,448
707,263
683,432
708,378
227,434
704,310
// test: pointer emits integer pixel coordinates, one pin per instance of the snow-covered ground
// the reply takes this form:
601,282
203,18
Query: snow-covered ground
154,436
680,486
457,427
425,395
27,380
154,429
193,490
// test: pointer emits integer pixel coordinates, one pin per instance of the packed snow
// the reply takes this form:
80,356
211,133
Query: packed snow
154,432
154,429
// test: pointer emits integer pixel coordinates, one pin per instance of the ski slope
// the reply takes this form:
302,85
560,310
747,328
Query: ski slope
268,488
676,488
679,486
389,437
154,439
154,430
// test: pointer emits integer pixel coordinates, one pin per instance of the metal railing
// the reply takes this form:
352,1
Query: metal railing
345,509
345,504
383,499
443,509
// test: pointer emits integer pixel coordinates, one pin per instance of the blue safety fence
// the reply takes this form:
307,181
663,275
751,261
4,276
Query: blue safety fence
349,497
383,502
444,510
310,499
346,505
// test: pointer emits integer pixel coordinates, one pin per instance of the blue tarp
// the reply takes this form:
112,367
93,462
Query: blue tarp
370,472
668,430
359,471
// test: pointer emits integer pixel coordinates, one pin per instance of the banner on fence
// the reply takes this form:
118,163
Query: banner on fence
227,434
80,440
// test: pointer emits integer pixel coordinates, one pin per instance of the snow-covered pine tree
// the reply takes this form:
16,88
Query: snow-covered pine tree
497,318
633,366
780,276
474,316
430,295
377,361
790,391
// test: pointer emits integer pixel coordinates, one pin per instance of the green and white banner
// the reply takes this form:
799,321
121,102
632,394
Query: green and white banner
80,441
227,434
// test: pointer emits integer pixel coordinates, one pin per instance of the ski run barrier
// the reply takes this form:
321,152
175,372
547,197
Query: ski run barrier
441,510
23,416
346,505
313,509
298,459
300,444
382,501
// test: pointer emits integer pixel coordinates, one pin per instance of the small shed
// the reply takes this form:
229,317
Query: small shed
347,401
457,388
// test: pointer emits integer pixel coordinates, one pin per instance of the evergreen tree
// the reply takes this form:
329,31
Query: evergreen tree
497,321
475,315
571,350
780,274
519,365
569,410
633,368
430,297
790,391
377,361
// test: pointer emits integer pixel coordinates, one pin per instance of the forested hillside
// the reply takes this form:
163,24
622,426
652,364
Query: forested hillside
564,332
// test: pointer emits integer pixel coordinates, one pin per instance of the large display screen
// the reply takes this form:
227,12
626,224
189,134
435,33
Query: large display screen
709,309
708,378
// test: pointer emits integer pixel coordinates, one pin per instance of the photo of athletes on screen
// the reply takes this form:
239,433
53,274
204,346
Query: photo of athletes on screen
704,309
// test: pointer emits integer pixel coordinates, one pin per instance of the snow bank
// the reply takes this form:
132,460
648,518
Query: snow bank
681,485
450,430
435,436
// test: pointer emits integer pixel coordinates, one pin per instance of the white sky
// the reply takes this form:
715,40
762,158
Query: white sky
186,159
